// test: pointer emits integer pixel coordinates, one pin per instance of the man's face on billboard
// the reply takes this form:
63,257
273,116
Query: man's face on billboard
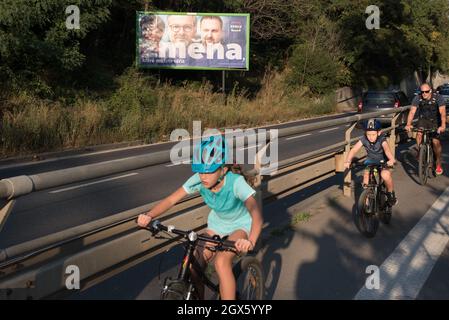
211,31
181,28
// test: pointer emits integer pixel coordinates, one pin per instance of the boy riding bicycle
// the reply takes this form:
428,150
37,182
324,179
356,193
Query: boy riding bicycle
377,150
235,212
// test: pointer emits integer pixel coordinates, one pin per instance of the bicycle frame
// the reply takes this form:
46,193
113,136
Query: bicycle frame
375,184
189,258
427,140
429,154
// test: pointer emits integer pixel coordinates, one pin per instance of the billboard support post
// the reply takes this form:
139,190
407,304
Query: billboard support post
223,82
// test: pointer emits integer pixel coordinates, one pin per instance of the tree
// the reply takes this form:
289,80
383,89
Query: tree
426,25
36,47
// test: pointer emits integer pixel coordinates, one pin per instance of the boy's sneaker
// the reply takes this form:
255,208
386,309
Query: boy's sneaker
391,199
439,170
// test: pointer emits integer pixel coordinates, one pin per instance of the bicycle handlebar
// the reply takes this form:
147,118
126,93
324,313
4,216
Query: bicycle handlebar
423,129
381,164
222,245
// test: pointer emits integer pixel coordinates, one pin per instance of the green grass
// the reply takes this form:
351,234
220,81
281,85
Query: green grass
141,109
296,219
300,217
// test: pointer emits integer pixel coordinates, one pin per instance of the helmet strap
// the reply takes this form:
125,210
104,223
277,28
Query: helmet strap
219,179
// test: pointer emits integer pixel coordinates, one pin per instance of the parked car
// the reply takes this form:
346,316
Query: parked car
373,101
444,92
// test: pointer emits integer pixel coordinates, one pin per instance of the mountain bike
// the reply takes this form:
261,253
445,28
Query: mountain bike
372,204
247,269
426,156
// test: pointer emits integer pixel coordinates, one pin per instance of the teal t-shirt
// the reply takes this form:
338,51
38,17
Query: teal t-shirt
228,210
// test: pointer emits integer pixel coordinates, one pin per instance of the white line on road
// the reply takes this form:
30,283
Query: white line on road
250,147
178,163
405,271
96,182
297,137
326,130
30,163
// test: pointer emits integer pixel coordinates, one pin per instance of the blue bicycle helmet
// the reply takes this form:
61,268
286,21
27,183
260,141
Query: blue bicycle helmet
210,154
372,125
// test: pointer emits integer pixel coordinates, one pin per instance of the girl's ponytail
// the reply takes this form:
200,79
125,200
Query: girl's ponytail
237,169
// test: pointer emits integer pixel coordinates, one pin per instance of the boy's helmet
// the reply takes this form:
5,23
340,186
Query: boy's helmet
210,154
372,125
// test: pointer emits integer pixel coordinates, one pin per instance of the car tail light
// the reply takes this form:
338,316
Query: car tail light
360,106
397,104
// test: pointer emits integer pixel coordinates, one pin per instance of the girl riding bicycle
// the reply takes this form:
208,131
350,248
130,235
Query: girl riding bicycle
235,212
377,150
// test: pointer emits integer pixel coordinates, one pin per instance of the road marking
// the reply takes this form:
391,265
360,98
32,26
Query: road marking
179,163
297,137
405,271
326,130
258,145
31,163
95,182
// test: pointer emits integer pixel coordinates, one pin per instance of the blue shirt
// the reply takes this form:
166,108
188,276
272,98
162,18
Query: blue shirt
374,151
228,210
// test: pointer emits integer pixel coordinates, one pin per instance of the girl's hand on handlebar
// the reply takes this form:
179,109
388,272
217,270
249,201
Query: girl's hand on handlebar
347,164
244,245
391,163
143,220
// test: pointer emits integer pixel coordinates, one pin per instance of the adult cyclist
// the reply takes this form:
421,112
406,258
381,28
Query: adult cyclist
431,115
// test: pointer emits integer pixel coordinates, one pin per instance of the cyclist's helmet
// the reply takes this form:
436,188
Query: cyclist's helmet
210,154
372,125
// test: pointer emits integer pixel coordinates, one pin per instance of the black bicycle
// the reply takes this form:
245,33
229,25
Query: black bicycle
373,204
247,269
426,156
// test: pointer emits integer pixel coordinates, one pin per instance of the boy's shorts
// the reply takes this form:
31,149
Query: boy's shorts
369,161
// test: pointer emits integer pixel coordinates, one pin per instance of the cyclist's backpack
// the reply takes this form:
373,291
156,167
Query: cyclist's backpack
428,108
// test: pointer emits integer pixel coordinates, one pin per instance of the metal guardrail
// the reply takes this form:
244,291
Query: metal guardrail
102,248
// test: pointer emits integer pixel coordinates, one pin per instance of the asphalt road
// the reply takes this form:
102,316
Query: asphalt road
49,211
325,257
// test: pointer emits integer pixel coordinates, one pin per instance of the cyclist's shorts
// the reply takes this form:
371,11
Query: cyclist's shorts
429,124
223,231
369,161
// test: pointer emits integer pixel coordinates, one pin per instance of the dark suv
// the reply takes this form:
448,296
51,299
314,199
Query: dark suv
444,92
373,101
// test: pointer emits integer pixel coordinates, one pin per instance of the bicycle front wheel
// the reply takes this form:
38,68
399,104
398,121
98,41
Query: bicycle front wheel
177,290
366,216
249,279
431,164
386,215
385,208
423,166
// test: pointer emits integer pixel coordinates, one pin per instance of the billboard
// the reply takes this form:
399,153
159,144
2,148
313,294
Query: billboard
207,41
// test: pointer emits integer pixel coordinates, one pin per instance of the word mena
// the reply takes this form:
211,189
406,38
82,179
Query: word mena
199,51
